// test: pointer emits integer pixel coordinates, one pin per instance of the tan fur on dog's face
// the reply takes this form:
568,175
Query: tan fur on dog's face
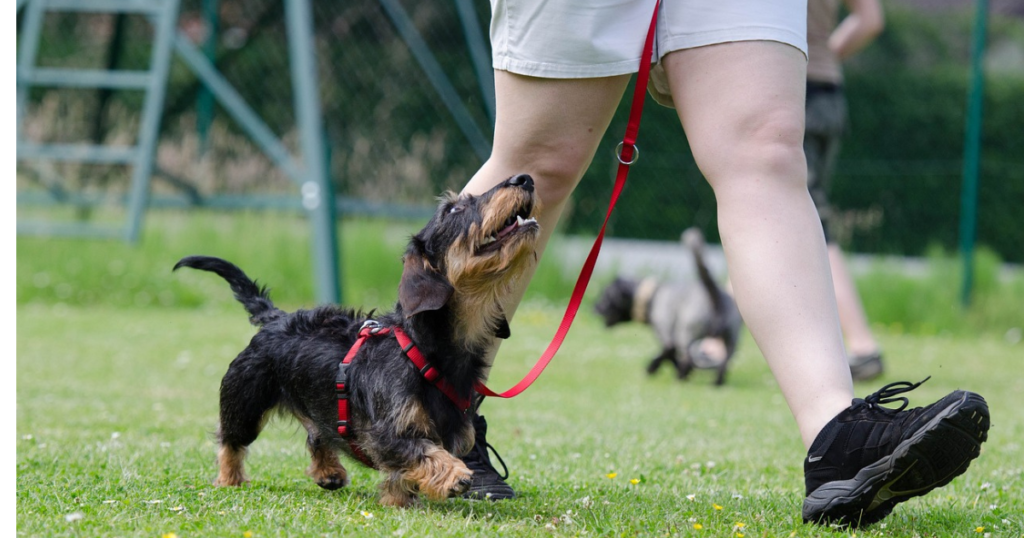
479,247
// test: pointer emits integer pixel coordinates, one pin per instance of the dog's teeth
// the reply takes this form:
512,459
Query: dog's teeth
488,240
519,220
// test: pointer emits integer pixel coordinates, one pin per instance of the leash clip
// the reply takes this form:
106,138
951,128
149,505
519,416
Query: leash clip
618,153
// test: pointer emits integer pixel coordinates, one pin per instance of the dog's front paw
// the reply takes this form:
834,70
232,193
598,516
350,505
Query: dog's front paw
462,486
440,475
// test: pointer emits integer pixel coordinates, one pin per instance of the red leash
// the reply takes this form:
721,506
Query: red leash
626,157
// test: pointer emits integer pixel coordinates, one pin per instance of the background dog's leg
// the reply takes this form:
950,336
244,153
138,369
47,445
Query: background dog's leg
324,469
667,353
684,363
720,378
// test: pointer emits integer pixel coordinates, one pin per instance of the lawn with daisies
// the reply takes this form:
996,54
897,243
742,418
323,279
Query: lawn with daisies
117,402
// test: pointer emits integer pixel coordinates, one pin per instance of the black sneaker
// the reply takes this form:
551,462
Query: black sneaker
870,458
487,483
866,367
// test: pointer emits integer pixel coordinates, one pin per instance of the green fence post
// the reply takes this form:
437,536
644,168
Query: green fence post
972,152
317,196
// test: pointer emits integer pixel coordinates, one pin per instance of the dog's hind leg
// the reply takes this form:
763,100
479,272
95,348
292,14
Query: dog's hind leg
325,469
246,397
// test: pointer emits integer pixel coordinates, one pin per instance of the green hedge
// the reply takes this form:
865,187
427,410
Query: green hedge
899,176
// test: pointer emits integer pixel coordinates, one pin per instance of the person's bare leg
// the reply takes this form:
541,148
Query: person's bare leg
742,106
550,129
859,338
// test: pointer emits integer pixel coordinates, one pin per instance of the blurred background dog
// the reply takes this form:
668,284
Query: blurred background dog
696,323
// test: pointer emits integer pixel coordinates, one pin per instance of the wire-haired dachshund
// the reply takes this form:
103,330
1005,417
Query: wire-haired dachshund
408,384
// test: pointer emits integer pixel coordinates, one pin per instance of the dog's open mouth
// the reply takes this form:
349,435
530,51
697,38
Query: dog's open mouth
519,222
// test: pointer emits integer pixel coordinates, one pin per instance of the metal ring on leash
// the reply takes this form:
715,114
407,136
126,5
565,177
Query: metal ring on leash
618,154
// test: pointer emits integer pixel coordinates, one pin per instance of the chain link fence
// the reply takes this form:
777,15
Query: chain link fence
396,139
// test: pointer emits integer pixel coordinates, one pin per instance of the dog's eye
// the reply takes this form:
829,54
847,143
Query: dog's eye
455,209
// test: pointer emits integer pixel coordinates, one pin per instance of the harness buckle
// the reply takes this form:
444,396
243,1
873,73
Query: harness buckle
342,378
371,325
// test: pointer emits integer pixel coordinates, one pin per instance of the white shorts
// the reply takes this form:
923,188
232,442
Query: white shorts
601,38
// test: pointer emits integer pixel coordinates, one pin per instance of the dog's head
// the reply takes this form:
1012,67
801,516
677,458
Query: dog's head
616,302
469,256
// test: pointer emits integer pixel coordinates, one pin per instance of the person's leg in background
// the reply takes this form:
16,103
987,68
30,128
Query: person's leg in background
550,129
826,123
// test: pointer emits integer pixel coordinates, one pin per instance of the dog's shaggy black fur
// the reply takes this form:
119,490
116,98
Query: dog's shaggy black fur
456,272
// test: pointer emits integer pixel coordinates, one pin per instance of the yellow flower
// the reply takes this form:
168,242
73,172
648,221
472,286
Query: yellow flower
698,526
634,481
612,475
739,535
247,534
740,524
979,530
170,535
716,506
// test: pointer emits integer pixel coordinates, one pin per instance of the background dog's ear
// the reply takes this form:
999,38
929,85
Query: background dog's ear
421,288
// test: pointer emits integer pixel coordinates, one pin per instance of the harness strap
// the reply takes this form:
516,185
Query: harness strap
428,371
626,157
413,353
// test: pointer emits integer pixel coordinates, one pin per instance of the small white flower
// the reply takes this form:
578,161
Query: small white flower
710,465
986,485
177,508
366,514
74,516
691,497
154,501
109,501
115,435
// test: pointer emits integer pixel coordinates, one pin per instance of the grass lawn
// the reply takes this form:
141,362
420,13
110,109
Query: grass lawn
116,405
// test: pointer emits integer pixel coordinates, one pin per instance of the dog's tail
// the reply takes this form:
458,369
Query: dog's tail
255,298
694,240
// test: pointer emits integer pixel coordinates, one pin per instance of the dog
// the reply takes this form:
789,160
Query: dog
682,316
408,422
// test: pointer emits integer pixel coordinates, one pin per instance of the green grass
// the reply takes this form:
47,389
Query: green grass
119,362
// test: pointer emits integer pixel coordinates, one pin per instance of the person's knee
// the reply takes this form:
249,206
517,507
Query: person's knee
766,152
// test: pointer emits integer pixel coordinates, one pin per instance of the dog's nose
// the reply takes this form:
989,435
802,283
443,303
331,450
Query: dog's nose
522,180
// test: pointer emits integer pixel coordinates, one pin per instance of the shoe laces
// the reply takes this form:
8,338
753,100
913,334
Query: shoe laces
888,394
482,461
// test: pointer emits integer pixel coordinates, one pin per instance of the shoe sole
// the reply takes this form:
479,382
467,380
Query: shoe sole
933,456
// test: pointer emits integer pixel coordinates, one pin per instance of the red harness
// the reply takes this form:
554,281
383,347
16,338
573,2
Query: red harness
427,370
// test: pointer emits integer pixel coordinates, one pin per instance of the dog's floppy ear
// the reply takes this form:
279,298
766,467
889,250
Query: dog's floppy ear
421,288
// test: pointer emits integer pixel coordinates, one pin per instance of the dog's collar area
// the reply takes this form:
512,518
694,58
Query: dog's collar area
642,299
370,329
